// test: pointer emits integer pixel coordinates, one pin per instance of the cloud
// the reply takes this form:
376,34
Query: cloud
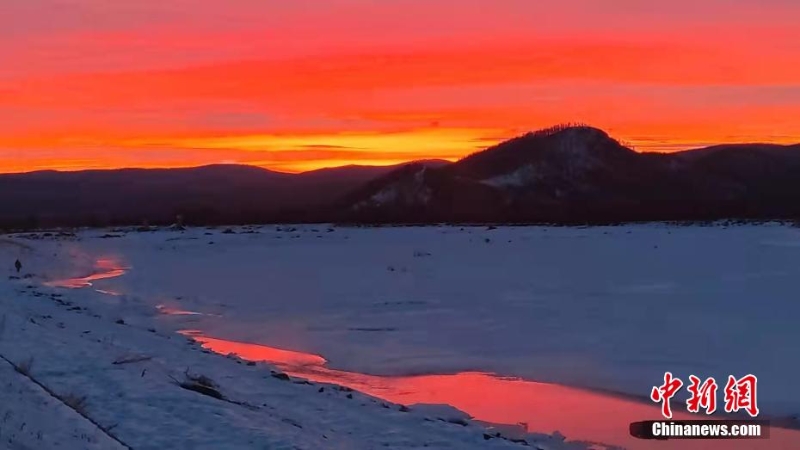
80,77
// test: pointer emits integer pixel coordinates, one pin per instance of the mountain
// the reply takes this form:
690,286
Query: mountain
581,174
566,174
208,195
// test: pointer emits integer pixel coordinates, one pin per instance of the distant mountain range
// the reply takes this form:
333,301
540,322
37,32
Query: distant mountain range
216,194
570,174
580,174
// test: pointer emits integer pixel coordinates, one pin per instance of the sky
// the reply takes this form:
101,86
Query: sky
303,84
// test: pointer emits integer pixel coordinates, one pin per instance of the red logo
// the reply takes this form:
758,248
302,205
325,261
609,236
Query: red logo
703,396
665,392
741,394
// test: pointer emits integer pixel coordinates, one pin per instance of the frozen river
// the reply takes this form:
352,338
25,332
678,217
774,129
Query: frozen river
607,308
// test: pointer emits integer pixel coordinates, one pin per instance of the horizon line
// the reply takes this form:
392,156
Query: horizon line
390,163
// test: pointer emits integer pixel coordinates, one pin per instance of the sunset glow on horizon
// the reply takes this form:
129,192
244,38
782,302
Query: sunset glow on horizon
295,86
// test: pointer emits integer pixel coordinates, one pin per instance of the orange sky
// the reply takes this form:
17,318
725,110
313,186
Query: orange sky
309,83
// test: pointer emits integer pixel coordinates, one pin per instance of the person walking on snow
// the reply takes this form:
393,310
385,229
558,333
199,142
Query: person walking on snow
18,265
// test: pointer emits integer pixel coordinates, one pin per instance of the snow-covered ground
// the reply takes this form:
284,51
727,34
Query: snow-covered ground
77,373
604,308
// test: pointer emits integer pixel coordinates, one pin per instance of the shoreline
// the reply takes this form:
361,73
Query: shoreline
302,361
86,296
111,271
129,375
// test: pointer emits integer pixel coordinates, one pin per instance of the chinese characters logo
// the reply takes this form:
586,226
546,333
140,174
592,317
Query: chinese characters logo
739,394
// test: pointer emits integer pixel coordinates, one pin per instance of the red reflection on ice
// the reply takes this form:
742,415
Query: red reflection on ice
169,311
253,352
578,414
108,267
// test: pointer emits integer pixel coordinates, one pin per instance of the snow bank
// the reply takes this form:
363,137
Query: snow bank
105,372
610,308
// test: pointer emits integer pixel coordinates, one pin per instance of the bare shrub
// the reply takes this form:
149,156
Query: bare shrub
24,367
131,359
200,384
76,402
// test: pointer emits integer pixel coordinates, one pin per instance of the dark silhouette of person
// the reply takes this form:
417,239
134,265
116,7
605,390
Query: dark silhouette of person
18,265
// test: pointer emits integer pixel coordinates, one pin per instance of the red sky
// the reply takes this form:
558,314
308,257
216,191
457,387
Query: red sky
302,84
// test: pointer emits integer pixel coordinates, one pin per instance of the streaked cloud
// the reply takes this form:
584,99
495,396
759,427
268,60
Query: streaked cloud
310,83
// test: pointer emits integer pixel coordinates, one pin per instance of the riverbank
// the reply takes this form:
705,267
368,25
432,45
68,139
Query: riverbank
84,373
357,294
